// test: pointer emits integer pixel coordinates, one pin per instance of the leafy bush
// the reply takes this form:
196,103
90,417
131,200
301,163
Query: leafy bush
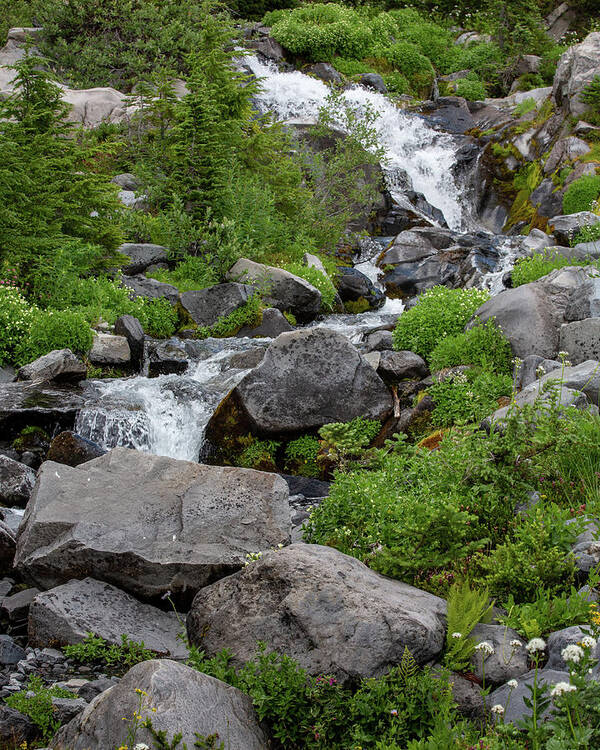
302,711
537,557
472,90
590,233
483,345
96,651
346,441
468,397
582,194
320,31
547,613
591,94
541,264
318,279
549,62
258,454
16,315
108,43
301,456
54,329
36,703
439,312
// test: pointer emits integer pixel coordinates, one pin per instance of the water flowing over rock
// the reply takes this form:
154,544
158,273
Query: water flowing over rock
66,614
325,609
182,526
306,379
185,700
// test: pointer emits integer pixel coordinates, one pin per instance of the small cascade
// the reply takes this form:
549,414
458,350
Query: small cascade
166,415
411,146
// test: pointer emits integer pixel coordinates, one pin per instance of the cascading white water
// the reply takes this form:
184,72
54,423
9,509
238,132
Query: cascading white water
166,415
410,144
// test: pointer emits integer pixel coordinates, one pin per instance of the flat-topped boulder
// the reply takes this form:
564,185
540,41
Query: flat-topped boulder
306,379
141,255
43,404
150,288
148,524
178,699
279,288
206,306
66,614
57,365
323,608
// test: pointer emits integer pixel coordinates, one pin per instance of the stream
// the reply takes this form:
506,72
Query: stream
167,415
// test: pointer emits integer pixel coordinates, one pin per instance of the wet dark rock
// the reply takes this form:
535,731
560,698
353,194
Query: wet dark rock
42,404
306,486
373,81
449,113
15,727
353,285
325,71
16,482
273,323
16,606
131,329
72,449
10,652
401,365
379,341
7,547
150,288
166,358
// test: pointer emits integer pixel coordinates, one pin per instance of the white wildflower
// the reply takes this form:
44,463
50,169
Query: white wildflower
512,684
141,746
561,688
457,635
485,647
588,642
573,653
536,644
515,643
497,709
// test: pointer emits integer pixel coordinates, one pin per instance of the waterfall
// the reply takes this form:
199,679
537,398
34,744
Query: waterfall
411,146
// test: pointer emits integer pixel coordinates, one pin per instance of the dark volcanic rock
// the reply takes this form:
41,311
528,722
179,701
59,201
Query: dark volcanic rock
70,448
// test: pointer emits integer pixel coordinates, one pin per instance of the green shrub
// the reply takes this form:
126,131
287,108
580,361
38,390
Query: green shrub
472,90
96,651
407,59
542,263
54,329
350,67
14,13
439,312
582,194
524,107
318,279
16,315
590,233
258,454
538,556
249,314
397,83
345,441
468,397
320,31
36,703
548,612
301,456
483,345
550,61
591,94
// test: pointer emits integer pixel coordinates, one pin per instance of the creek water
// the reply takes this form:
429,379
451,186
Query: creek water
167,415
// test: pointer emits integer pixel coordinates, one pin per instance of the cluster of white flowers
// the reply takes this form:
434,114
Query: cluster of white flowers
573,653
561,688
535,645
512,684
588,642
485,647
497,709
457,635
515,644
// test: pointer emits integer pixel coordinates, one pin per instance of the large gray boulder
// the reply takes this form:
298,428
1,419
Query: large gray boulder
66,614
563,152
43,404
57,365
185,700
584,377
507,661
206,306
402,365
148,524
110,350
323,608
512,699
279,288
150,288
581,339
353,285
575,70
565,226
131,329
530,316
559,640
141,255
535,393
16,482
584,301
306,379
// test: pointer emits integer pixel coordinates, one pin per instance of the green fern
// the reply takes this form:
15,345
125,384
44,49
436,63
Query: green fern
466,608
